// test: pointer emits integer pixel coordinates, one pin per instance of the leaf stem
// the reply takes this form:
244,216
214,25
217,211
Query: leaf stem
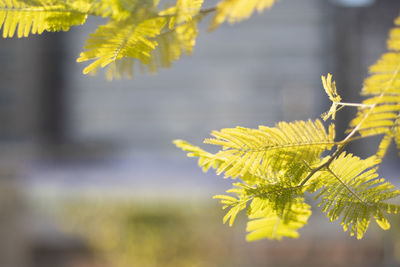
353,104
208,10
345,185
203,12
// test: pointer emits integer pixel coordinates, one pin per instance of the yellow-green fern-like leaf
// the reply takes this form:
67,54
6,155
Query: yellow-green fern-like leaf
235,204
238,10
384,145
119,69
351,190
382,110
265,222
266,150
235,207
174,43
30,16
208,160
276,210
253,154
147,43
183,11
331,91
119,39
171,45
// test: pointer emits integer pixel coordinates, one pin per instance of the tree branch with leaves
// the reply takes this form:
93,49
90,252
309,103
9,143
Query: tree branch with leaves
274,167
138,32
289,159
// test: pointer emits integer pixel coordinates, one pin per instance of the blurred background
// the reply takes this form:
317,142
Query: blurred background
89,176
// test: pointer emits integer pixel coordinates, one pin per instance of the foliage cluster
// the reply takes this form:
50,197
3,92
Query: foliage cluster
128,233
274,167
277,166
146,33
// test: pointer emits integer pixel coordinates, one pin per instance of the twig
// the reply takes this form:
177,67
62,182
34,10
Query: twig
342,144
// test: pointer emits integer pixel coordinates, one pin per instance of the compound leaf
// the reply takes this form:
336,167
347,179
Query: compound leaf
383,89
331,91
266,150
119,39
268,223
30,16
352,190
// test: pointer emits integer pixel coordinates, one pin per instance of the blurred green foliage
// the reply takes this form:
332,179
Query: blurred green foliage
154,234
166,232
